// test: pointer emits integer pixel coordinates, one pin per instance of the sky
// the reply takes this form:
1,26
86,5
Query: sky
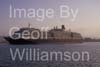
87,22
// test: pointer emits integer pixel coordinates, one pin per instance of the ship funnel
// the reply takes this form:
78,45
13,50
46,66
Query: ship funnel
63,27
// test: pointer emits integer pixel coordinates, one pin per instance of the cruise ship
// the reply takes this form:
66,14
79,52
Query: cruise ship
36,36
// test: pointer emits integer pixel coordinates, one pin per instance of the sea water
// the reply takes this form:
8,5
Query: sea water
92,47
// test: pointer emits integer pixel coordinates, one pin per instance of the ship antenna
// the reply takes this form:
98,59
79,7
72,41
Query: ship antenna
29,25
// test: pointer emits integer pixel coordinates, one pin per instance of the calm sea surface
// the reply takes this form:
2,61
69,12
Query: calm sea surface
92,47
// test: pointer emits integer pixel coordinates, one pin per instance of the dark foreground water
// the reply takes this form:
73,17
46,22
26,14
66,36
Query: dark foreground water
93,48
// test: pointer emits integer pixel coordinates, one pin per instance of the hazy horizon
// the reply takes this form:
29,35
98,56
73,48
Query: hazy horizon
87,22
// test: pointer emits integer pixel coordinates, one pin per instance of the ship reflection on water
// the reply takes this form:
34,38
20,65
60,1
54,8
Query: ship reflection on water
92,47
